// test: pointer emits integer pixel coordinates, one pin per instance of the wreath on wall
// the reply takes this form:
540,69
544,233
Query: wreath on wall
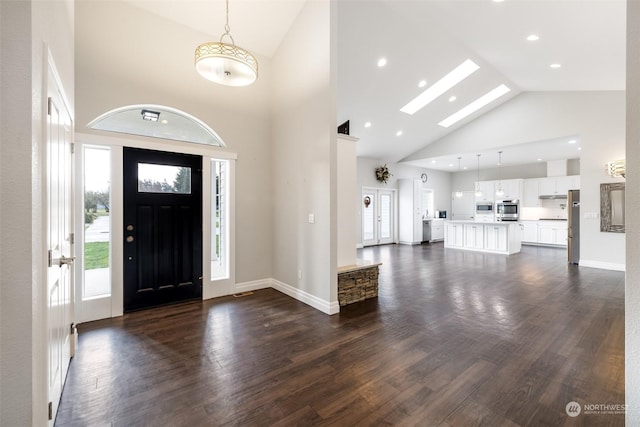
383,174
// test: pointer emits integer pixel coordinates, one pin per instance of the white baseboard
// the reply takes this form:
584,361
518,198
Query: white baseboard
305,297
253,285
602,265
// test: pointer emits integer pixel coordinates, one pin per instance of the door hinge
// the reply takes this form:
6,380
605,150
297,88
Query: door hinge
49,106
72,238
50,411
73,147
73,327
50,258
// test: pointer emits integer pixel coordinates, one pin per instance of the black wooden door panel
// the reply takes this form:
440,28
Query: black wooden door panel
163,232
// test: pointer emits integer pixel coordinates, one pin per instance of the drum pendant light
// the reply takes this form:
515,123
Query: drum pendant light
224,63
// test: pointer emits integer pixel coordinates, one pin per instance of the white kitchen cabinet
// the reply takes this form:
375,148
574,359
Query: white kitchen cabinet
474,236
552,233
529,231
488,190
531,193
410,211
437,229
559,185
512,189
454,234
495,238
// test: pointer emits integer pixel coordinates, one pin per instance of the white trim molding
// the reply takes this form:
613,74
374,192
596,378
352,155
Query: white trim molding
603,265
324,306
253,285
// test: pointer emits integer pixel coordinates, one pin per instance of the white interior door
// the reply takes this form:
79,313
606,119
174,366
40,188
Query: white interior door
59,219
378,217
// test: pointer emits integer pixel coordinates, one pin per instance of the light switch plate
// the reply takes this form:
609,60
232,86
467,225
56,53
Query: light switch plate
312,218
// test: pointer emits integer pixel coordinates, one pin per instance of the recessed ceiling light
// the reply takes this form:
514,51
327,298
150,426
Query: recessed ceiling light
498,1
452,98
422,83
533,37
367,125
450,165
454,77
475,105
149,115
464,167
539,160
579,148
433,161
555,65
164,122
399,133
382,62
572,141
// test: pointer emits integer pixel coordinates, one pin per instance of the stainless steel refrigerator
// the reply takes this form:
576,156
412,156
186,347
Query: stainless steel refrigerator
573,217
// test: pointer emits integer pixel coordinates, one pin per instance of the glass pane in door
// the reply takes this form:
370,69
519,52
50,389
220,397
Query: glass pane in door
368,217
385,216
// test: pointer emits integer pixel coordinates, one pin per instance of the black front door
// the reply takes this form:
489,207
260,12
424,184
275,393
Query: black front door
162,228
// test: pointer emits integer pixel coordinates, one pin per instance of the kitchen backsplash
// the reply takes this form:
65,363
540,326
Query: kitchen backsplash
548,209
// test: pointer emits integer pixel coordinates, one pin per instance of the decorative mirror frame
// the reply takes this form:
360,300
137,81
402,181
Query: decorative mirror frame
605,207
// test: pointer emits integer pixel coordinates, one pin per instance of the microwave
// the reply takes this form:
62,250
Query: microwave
484,208
507,210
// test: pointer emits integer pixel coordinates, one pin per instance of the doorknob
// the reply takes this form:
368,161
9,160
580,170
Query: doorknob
66,261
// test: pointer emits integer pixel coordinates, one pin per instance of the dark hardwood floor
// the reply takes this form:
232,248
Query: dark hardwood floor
454,339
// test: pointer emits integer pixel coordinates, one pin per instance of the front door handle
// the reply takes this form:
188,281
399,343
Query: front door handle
66,260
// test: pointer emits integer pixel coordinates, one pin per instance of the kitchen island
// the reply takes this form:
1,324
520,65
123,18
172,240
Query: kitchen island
493,237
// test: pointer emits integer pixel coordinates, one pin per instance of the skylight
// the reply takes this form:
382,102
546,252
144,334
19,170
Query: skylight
454,77
475,106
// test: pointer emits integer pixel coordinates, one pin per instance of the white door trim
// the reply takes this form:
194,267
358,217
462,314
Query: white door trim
376,191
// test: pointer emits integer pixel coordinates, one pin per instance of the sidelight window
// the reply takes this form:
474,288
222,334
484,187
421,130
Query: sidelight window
219,219
97,224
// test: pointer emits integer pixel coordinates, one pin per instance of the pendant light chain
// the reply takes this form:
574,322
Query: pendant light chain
478,192
500,191
459,193
227,28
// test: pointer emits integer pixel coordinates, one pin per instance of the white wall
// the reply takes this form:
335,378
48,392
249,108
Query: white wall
599,119
25,28
439,181
347,192
241,116
304,157
632,282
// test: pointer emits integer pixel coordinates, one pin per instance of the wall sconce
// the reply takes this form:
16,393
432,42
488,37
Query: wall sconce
616,168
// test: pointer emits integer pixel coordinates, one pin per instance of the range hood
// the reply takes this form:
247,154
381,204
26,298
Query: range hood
553,197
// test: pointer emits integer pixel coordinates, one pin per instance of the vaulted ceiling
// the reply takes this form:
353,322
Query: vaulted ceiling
424,40
421,40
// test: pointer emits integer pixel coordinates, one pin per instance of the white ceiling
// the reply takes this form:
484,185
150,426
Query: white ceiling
256,25
425,39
